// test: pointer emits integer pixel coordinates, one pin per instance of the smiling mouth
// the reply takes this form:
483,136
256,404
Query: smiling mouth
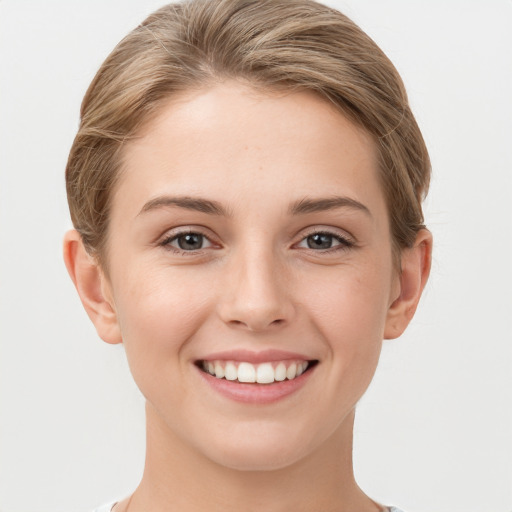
263,373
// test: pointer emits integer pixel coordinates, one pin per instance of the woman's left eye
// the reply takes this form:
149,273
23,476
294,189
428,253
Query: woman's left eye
324,241
187,242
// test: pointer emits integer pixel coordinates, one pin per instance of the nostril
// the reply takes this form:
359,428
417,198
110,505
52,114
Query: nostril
254,325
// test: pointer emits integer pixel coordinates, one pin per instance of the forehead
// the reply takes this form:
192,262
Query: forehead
231,141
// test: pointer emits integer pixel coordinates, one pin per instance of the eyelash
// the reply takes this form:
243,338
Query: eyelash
344,243
166,242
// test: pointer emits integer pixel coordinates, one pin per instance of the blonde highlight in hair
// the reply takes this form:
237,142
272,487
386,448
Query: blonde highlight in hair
270,44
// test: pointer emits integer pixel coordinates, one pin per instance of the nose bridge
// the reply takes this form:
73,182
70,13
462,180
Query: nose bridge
256,295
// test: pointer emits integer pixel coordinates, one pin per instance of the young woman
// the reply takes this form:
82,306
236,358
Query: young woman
246,189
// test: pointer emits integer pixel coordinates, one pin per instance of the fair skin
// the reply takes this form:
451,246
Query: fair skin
245,224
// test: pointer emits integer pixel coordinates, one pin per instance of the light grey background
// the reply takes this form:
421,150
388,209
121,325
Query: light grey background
434,431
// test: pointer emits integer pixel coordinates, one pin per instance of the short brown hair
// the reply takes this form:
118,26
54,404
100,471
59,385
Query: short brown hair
291,44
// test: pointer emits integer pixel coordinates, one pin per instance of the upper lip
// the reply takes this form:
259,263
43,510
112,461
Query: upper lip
249,356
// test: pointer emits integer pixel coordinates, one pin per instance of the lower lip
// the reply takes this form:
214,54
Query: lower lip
256,393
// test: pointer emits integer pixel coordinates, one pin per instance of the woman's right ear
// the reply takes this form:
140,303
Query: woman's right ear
92,286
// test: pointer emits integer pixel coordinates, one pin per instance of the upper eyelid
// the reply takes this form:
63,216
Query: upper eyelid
342,243
173,233
335,232
176,232
166,242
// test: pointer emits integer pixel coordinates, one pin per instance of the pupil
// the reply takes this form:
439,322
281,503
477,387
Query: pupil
191,241
320,241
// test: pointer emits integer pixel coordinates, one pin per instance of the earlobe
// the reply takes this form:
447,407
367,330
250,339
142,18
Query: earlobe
415,269
92,285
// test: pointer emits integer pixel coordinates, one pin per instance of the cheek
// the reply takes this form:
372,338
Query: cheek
158,312
349,310
351,300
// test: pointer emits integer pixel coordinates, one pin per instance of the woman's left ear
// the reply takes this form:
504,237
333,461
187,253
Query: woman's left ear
415,269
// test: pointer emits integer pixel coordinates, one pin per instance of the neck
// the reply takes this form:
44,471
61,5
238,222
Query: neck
179,478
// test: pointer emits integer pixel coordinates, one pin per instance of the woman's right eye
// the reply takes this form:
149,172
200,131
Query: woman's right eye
187,242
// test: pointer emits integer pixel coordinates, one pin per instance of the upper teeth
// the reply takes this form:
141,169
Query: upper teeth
264,373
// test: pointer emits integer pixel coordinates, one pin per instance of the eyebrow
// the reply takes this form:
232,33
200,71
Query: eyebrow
307,205
300,207
190,203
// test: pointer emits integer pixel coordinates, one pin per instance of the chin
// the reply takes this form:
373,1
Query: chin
257,460
263,449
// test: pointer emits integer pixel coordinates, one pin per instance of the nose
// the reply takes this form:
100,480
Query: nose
256,293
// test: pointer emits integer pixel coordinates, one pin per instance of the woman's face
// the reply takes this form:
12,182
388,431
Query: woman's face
249,236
